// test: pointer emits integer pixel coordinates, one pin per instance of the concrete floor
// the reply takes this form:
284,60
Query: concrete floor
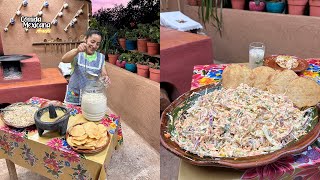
134,160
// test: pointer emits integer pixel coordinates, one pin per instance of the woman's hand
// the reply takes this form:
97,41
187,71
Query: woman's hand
82,47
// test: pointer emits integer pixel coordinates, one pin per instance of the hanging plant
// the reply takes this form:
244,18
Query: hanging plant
211,10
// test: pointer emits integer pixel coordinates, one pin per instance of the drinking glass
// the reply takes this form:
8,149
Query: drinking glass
256,54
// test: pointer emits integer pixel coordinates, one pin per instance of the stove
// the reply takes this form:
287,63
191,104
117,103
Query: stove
16,67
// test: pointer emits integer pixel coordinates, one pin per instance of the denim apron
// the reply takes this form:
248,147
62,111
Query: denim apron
78,79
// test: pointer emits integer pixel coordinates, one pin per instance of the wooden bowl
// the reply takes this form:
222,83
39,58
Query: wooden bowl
186,100
271,62
88,151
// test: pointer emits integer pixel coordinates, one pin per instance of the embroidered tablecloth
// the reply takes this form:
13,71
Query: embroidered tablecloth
51,156
305,165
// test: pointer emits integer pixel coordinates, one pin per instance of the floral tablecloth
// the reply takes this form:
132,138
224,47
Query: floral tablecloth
51,156
305,165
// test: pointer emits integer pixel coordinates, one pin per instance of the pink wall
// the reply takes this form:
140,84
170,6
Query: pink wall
17,41
98,4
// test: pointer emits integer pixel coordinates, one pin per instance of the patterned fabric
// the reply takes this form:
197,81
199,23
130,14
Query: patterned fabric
78,79
305,165
50,155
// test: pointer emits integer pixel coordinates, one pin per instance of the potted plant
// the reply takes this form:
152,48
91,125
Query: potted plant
297,7
238,4
155,72
153,45
314,7
257,5
113,55
130,62
275,6
122,38
121,62
131,40
143,67
142,34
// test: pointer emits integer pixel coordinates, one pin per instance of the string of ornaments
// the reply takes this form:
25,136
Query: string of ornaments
54,22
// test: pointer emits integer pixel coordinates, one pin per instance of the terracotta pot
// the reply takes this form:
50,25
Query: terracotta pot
143,70
256,7
122,42
296,7
238,4
142,45
121,64
192,2
314,7
155,74
113,58
153,48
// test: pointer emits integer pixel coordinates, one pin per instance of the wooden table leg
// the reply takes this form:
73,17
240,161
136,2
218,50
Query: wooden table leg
12,170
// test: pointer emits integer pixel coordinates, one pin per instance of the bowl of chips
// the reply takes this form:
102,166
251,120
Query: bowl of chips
88,137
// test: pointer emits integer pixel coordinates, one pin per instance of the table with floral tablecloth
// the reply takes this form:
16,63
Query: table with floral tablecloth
305,165
51,156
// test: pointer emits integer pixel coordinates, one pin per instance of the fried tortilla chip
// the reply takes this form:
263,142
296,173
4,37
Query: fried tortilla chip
77,143
279,81
303,92
79,138
77,130
102,141
69,141
92,130
234,74
102,128
261,76
86,147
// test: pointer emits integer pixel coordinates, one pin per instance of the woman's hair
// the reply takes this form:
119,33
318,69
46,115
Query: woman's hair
91,32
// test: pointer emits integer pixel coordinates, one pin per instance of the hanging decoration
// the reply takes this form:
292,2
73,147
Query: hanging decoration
44,5
25,3
18,13
74,20
59,14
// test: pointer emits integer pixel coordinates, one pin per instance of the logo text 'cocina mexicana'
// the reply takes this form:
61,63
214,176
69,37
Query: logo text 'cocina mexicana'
34,23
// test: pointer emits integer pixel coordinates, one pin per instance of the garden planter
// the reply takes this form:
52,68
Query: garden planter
296,7
155,74
237,4
192,2
131,67
143,70
142,45
131,45
122,42
314,7
275,7
113,58
256,7
121,63
153,48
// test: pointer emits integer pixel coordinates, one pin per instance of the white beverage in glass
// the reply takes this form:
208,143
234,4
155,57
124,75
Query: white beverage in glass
256,54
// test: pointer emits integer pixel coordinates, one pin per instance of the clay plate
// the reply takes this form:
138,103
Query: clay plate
271,62
185,100
88,151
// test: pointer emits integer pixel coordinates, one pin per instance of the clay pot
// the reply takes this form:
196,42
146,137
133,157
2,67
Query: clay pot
153,48
296,7
238,4
256,7
275,7
142,45
192,2
155,75
120,64
113,58
314,7
143,70
122,42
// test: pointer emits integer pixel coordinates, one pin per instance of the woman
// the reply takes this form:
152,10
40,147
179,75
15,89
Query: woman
84,59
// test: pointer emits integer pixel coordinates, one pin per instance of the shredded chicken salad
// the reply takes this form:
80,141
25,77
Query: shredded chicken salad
239,122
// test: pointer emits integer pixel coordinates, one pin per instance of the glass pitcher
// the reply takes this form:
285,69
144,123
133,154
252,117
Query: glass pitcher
94,100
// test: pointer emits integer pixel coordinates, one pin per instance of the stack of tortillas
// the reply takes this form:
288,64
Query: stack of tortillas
302,91
88,136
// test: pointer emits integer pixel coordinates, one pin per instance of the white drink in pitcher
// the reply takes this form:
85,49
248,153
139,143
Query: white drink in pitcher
256,54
